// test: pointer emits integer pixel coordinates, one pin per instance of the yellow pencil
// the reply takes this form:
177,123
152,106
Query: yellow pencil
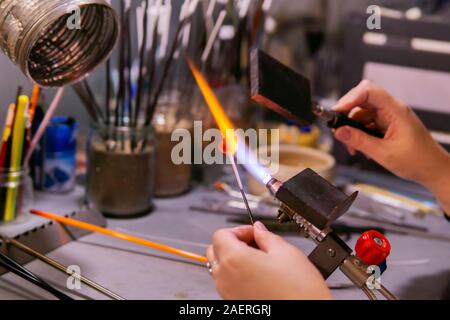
16,157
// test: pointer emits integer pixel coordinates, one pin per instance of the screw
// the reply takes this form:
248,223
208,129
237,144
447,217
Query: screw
378,241
331,253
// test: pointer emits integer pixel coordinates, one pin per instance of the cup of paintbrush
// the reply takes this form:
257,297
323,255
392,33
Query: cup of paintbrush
172,178
121,170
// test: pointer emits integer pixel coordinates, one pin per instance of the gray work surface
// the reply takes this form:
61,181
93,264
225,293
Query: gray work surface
418,268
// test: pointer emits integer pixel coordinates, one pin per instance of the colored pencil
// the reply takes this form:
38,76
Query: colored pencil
43,126
7,133
16,156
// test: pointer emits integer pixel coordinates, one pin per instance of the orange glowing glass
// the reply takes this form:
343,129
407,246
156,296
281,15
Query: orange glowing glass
223,122
120,235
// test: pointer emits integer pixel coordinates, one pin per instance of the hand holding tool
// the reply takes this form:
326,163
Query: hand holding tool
281,89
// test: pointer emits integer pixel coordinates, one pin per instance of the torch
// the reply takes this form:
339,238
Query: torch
313,204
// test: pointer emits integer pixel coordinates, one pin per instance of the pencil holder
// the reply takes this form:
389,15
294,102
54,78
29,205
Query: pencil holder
121,170
16,195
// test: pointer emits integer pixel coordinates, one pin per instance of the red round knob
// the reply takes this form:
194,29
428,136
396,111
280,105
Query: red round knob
372,247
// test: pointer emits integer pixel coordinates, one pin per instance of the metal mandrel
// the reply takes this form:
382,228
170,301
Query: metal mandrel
63,268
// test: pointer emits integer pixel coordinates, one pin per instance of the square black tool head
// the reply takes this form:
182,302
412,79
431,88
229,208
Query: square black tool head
314,198
279,88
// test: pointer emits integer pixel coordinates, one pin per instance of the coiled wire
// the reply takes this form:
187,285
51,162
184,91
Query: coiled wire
36,36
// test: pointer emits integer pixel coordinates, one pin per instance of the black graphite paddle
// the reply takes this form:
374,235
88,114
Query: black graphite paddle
281,89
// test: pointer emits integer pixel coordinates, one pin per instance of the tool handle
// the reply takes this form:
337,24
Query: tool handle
342,120
372,248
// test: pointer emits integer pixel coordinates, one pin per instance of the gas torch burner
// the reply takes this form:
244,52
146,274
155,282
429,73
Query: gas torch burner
313,204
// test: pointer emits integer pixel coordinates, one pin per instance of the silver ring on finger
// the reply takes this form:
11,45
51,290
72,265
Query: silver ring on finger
210,266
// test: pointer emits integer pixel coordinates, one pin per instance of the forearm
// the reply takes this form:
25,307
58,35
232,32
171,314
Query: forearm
439,181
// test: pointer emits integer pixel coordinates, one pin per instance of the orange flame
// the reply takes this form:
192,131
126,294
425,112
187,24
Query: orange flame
224,123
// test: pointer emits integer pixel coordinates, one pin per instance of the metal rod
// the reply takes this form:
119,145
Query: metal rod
108,92
213,37
369,293
151,108
17,269
323,113
241,188
141,75
79,90
121,67
93,100
62,268
151,68
128,66
387,294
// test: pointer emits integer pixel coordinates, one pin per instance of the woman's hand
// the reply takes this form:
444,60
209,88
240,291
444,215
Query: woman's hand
251,263
407,150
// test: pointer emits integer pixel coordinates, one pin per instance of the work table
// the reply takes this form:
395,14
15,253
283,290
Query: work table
417,268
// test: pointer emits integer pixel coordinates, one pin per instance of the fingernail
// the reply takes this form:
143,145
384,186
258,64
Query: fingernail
259,225
344,134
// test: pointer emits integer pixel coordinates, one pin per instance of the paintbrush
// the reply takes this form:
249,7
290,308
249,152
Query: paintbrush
128,105
82,95
43,126
142,73
152,62
93,101
121,66
213,37
152,107
152,46
108,92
